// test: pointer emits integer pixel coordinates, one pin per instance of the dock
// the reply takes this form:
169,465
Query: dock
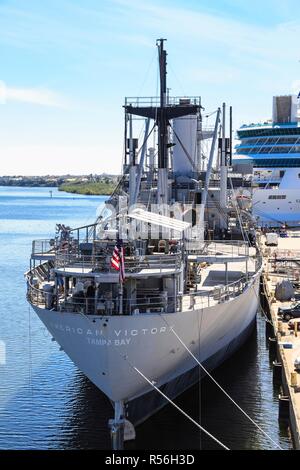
280,263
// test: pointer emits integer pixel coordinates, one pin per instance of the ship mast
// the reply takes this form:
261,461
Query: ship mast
162,184
162,122
162,113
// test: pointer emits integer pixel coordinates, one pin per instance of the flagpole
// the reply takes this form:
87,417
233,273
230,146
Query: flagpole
117,262
120,275
120,296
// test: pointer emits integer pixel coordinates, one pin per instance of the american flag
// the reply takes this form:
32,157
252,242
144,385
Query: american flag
117,260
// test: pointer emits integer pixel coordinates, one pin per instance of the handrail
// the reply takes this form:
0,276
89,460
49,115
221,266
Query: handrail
155,100
219,248
84,227
43,246
144,303
68,252
102,261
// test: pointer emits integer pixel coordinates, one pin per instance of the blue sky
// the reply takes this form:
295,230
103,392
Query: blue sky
66,66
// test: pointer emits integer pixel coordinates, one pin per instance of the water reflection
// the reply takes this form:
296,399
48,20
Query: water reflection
87,422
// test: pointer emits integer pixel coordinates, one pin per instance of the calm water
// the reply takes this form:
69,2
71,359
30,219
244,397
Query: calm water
46,403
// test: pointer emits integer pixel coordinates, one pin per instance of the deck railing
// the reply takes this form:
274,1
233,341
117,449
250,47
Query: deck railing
43,246
69,254
233,248
143,303
73,237
155,100
102,262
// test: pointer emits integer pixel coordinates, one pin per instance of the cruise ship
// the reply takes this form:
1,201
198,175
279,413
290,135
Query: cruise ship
140,300
272,150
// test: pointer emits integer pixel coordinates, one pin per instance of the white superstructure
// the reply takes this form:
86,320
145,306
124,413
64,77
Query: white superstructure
273,149
185,150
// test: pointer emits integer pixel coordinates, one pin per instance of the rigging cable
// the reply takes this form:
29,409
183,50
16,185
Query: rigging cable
146,137
207,115
219,386
184,149
174,404
176,77
147,74
238,212
29,352
199,352
257,296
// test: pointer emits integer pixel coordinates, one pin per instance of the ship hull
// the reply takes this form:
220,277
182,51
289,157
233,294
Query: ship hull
108,350
144,407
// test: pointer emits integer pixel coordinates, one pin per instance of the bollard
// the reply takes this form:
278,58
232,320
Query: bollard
294,379
296,329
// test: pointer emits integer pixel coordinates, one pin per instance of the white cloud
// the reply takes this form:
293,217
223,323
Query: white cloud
38,96
270,42
60,159
213,76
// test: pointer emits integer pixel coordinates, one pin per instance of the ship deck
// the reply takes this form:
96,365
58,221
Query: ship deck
213,280
76,270
218,271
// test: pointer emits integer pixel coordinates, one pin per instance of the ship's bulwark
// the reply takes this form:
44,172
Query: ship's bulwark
106,349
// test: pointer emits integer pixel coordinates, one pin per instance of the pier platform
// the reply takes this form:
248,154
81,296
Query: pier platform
280,263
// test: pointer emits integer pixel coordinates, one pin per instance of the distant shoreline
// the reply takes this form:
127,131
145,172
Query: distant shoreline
93,185
88,189
27,185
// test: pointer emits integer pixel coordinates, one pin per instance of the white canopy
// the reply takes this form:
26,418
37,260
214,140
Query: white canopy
157,219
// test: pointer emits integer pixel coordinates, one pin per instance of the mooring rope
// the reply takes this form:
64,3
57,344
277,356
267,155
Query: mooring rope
174,404
262,309
221,388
